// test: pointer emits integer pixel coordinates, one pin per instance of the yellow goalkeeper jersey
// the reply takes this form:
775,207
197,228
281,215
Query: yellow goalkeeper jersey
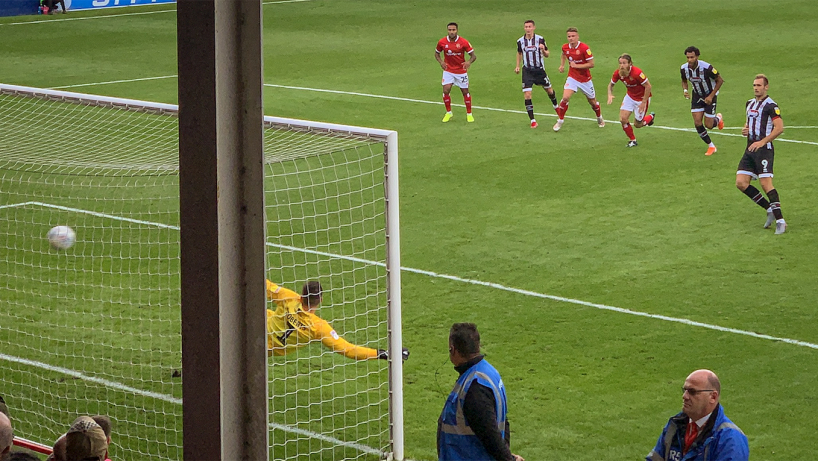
290,327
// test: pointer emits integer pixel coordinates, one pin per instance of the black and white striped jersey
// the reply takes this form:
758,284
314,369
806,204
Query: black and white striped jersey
760,116
702,78
530,49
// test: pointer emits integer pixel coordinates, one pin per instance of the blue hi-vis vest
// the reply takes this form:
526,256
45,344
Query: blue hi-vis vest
456,440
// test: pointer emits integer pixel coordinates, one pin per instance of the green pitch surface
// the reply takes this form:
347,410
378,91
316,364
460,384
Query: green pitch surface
615,272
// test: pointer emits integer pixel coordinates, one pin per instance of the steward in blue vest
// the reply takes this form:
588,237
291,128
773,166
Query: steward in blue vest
473,425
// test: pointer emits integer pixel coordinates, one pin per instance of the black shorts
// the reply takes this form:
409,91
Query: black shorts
697,104
533,76
759,163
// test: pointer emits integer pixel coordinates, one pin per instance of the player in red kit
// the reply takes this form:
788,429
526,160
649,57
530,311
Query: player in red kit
580,61
637,99
455,68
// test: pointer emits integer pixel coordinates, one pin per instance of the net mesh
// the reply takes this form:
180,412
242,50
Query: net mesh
95,329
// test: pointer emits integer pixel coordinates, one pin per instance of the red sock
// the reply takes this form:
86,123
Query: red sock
447,101
467,101
562,108
648,118
628,129
597,109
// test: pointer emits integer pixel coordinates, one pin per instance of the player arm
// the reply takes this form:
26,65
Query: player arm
439,59
589,64
648,89
684,85
610,91
719,82
517,67
331,339
277,293
778,128
562,62
544,49
473,57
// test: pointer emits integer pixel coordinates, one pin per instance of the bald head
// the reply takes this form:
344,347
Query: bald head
701,394
6,435
707,376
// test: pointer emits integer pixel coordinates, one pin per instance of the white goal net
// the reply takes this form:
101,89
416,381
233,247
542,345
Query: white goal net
95,328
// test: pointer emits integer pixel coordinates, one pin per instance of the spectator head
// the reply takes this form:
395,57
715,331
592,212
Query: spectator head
3,408
22,456
85,441
105,423
6,436
58,450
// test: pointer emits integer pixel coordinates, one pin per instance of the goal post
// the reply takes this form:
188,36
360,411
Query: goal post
95,329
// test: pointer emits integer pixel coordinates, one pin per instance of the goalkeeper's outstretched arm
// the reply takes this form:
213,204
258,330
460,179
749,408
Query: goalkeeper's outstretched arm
332,340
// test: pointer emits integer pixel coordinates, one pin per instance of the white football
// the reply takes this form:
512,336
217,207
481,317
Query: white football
62,237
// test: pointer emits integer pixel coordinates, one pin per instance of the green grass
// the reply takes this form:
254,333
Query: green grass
658,229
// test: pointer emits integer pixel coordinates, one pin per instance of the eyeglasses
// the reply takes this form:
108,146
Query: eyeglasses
695,392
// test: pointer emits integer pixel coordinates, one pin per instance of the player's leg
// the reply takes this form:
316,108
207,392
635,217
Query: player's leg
528,83
467,98
529,106
745,172
545,83
552,95
640,119
569,89
765,178
598,111
448,81
698,122
590,94
624,120
713,119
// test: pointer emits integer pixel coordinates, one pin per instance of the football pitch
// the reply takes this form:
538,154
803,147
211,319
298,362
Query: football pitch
599,275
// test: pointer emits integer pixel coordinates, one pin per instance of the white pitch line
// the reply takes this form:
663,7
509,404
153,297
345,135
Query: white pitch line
93,379
118,15
112,82
171,399
455,278
326,438
423,101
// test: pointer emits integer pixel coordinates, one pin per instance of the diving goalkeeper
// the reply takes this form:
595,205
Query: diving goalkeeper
294,324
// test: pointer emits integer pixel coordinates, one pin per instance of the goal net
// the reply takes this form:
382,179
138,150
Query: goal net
95,328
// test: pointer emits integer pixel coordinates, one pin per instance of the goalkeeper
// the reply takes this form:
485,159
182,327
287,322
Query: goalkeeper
294,324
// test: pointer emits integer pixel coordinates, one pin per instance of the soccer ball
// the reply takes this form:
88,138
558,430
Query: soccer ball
62,237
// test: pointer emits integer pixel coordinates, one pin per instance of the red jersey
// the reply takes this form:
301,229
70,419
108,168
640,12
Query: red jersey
454,53
635,82
580,55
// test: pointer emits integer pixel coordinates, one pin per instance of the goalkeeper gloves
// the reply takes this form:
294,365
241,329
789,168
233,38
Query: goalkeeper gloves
384,354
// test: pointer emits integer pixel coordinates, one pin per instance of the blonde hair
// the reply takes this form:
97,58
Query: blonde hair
572,29
762,76
626,57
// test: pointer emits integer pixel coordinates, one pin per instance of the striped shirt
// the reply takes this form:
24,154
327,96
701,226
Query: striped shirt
760,116
530,49
702,78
